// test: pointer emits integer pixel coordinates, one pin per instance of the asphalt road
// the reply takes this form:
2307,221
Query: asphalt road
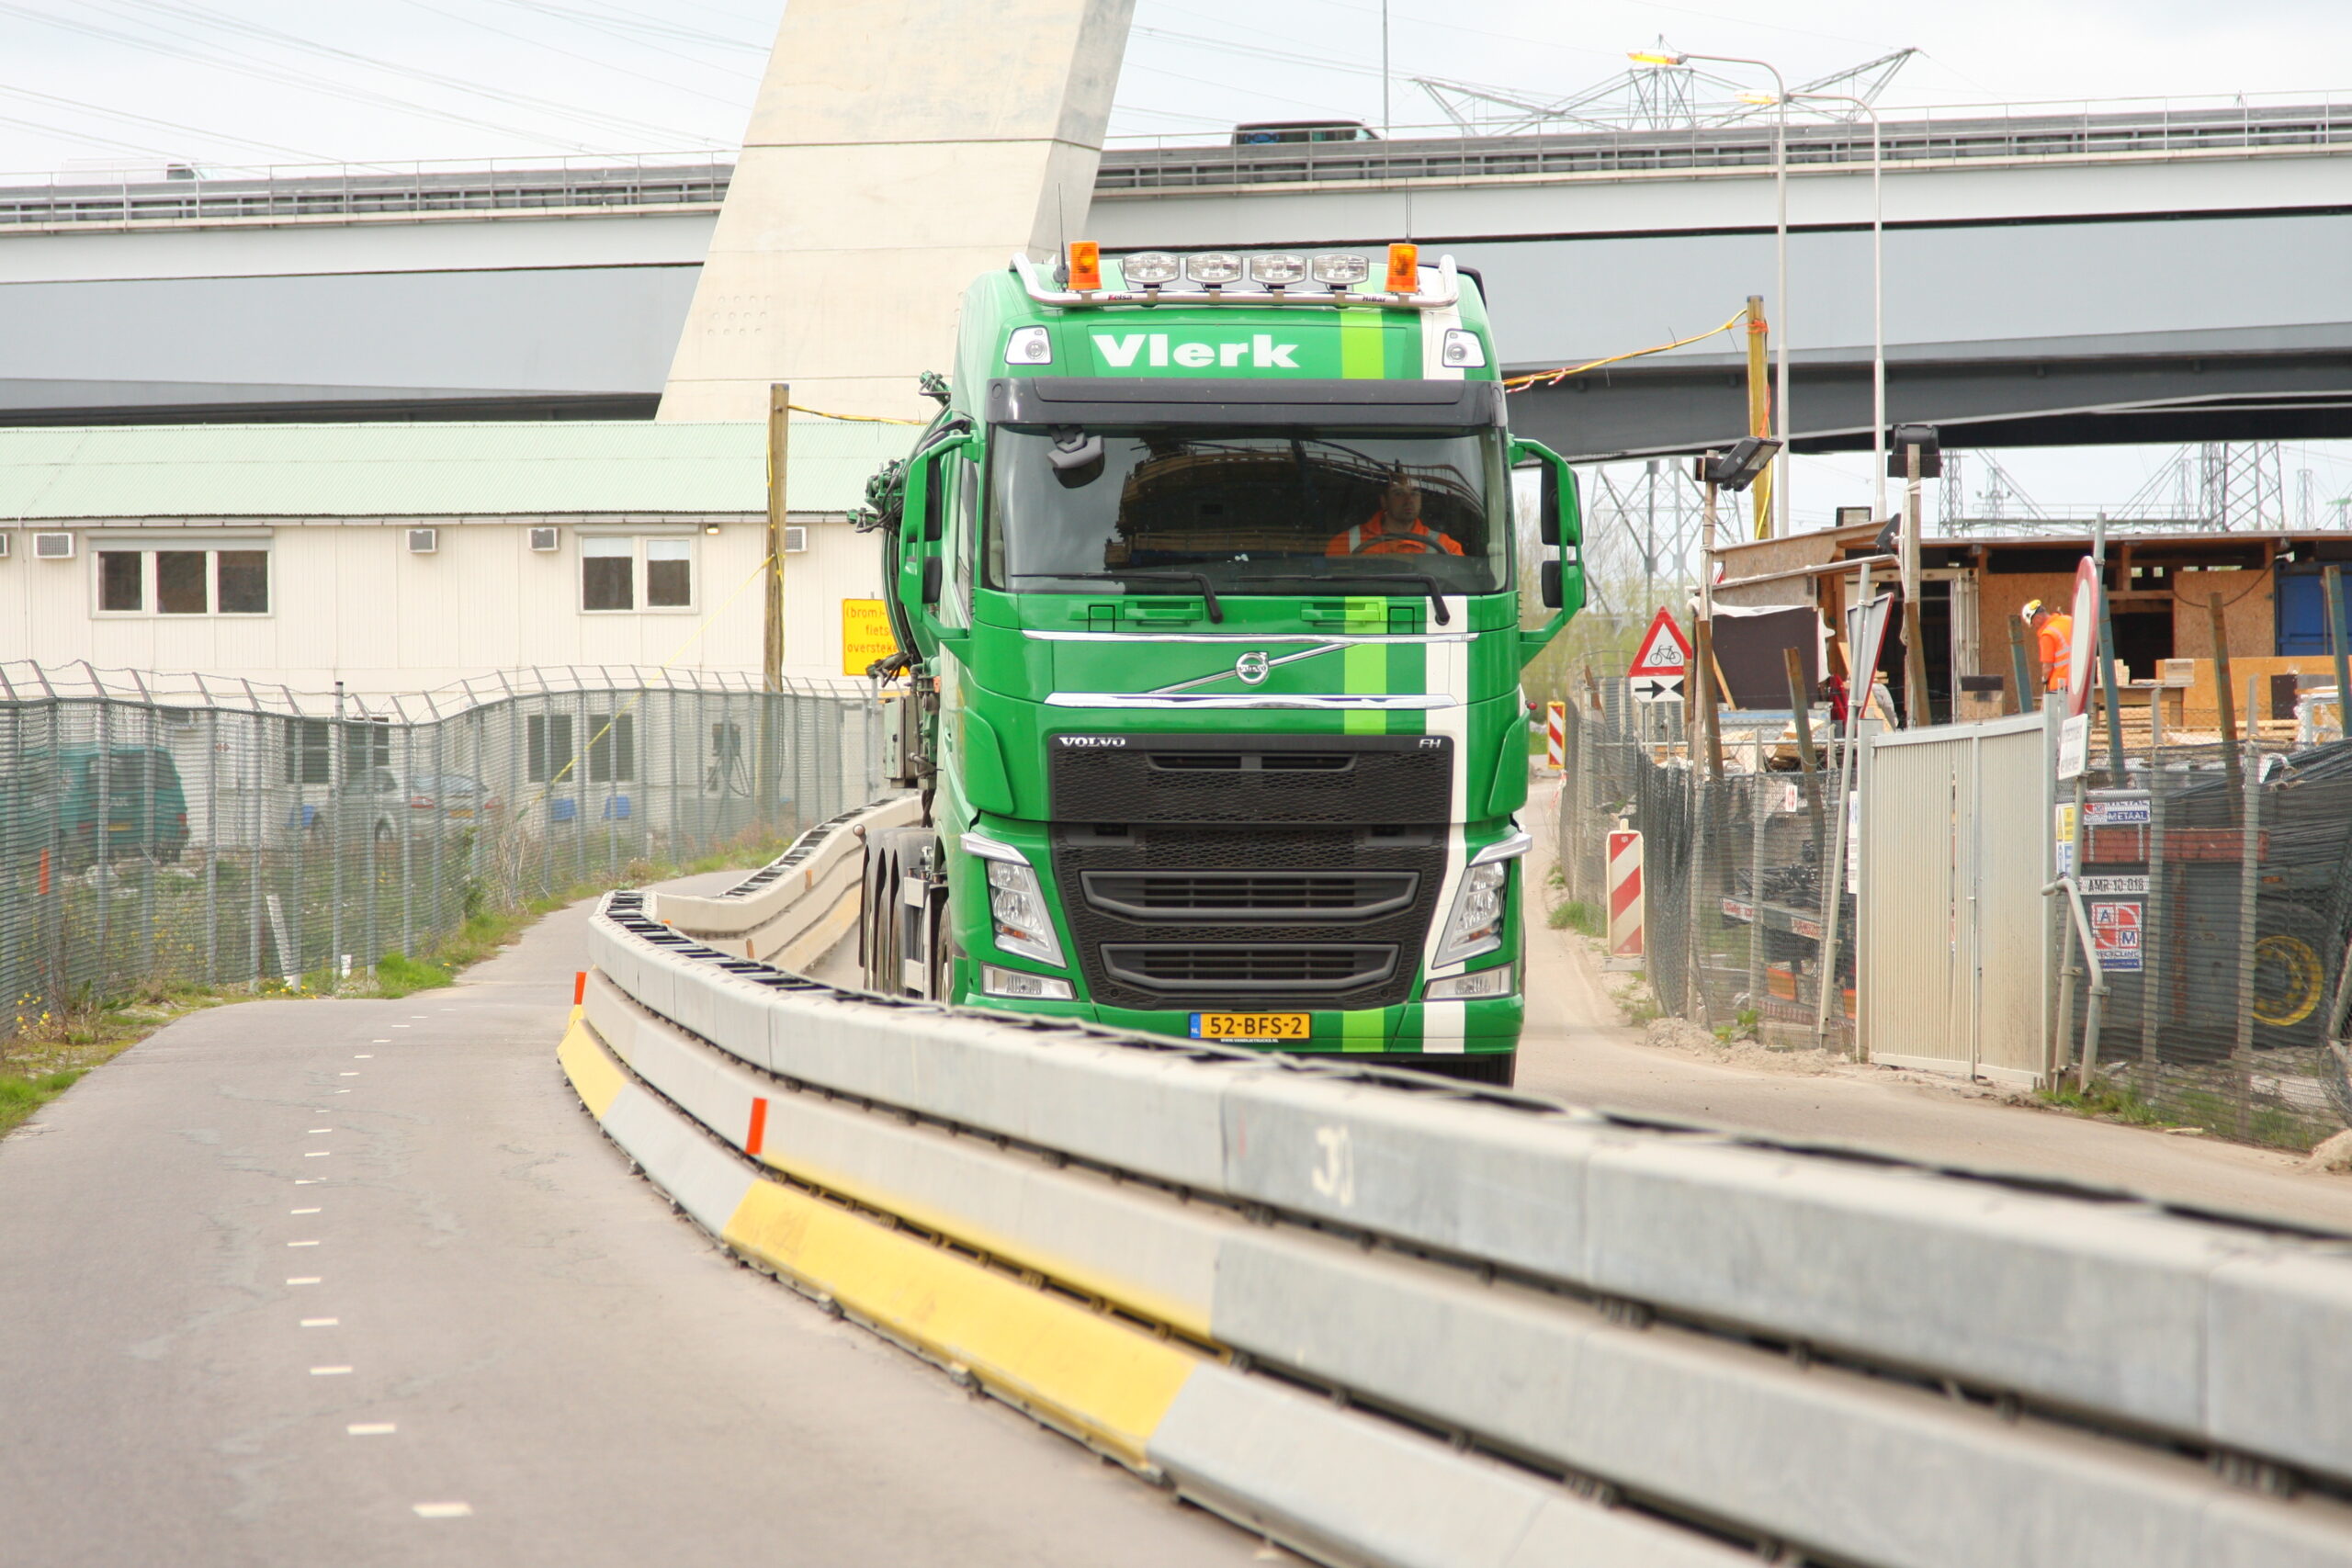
359,1283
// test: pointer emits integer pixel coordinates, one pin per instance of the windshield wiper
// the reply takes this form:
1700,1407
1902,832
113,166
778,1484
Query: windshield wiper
1427,583
1208,594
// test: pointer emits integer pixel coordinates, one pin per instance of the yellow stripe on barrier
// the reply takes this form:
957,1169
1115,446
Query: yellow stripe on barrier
593,1072
1070,1364
1190,1317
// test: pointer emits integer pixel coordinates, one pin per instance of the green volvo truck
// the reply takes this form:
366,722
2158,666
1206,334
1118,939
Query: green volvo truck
1205,582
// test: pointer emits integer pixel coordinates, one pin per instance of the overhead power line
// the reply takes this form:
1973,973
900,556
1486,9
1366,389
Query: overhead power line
206,16
248,67
601,64
162,124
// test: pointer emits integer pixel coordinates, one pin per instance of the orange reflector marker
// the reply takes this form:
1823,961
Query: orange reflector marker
1404,269
1085,265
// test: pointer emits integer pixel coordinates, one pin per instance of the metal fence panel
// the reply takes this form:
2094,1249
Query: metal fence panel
148,840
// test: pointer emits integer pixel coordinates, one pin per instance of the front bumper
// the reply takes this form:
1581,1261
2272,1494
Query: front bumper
1488,1024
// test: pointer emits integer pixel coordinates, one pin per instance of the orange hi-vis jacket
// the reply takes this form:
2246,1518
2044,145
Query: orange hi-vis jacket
2057,636
1377,538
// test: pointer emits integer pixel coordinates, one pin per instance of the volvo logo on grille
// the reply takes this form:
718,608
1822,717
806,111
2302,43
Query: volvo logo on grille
1091,739
1251,668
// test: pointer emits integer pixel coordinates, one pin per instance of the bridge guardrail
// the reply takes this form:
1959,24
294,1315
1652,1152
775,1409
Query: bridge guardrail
1869,1362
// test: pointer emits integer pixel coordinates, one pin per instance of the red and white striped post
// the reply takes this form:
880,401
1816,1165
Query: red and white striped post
1556,736
1626,904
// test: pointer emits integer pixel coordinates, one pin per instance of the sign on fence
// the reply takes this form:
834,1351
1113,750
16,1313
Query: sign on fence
865,634
1556,736
2115,934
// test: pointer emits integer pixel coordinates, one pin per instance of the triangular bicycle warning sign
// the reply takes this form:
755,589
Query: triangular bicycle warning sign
1663,652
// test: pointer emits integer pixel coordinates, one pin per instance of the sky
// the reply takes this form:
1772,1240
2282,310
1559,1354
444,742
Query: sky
89,84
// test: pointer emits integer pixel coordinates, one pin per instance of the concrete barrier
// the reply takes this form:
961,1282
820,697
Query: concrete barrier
790,910
1869,1360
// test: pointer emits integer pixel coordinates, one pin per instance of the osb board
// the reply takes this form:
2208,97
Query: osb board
1999,597
2249,618
2203,711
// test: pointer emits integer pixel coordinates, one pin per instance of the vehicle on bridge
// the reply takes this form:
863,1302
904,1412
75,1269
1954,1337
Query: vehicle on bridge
1205,582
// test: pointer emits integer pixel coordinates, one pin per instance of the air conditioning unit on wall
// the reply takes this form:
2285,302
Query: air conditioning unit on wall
52,546
424,541
4,546
545,539
795,540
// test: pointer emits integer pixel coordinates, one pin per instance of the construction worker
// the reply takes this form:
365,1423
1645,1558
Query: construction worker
1396,529
2055,631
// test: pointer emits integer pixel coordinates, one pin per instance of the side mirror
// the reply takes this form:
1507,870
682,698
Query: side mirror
1559,524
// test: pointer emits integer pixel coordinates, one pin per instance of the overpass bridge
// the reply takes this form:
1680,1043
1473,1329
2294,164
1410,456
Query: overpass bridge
2124,273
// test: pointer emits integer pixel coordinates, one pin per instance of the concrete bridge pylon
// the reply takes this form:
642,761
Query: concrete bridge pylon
898,149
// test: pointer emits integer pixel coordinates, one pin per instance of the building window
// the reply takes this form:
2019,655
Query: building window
606,570
669,574
547,744
621,573
122,581
183,583
611,748
310,753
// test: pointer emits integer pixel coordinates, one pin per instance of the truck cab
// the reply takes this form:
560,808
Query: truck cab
1206,581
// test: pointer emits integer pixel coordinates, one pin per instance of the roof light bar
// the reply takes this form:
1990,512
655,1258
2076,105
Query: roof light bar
1226,278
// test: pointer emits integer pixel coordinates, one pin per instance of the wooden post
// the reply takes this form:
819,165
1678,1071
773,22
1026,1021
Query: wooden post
1759,411
1801,707
769,771
1703,656
772,597
1917,714
2225,699
2333,577
2027,668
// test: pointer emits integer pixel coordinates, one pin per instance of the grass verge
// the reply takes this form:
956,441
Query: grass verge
51,1050
1577,916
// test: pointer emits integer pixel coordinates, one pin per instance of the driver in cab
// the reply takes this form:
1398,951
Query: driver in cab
1396,529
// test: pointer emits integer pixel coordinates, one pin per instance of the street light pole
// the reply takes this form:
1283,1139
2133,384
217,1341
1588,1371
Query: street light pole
1780,257
1878,299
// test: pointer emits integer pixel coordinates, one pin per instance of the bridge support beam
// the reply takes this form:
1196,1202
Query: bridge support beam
897,149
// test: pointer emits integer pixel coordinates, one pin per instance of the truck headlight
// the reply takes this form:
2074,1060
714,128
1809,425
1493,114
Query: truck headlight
1024,925
1495,982
1476,925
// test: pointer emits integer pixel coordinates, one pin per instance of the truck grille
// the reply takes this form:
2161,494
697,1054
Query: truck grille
1161,915
1257,969
1251,895
1332,780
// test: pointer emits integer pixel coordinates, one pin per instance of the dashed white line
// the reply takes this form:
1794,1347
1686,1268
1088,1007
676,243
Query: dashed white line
371,1429
323,1323
303,1280
384,1041
353,1073
329,1371
308,1180
301,1244
365,1056
342,1092
302,1211
315,1130
397,1026
444,1510
316,1154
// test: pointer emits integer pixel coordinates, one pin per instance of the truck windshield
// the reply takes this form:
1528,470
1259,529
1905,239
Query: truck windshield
1251,511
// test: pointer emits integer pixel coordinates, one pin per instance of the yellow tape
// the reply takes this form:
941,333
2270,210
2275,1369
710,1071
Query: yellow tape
592,1071
1077,1366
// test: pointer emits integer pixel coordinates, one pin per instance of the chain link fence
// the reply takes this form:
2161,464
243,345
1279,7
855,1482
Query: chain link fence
2217,892
2215,888
1735,872
156,833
